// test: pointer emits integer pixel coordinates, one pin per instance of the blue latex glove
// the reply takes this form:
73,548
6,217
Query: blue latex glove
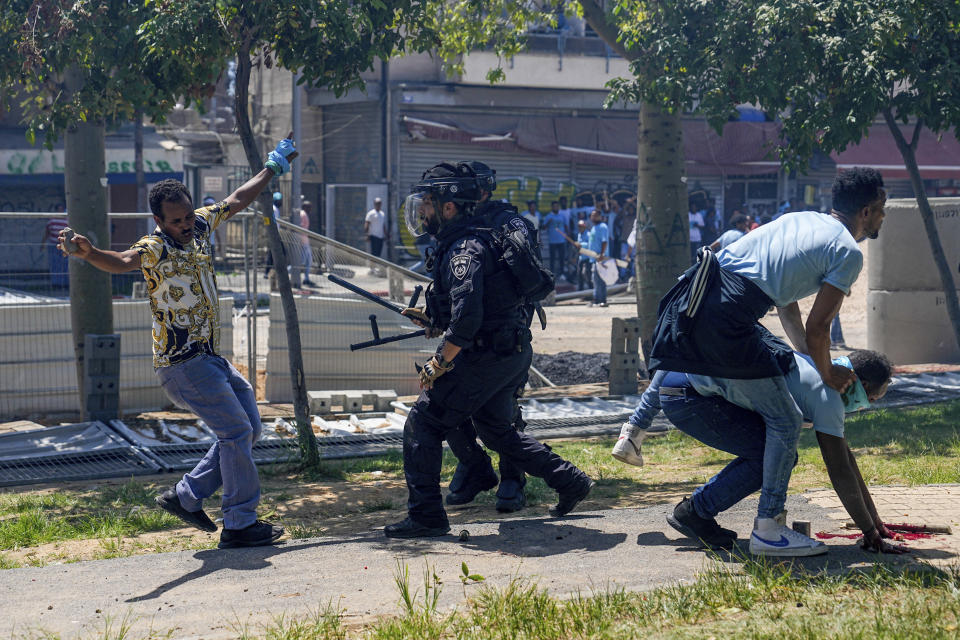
278,160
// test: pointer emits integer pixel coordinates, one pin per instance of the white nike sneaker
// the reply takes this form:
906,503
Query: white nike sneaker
627,448
770,538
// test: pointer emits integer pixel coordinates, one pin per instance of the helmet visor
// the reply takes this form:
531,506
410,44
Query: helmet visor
415,208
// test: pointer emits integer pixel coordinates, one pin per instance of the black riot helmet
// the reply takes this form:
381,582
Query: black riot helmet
445,182
486,176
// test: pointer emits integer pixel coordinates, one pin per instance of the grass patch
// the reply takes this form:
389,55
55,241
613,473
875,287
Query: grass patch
111,513
761,600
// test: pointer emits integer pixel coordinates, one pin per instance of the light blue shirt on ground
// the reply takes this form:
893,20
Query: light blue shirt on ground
599,234
818,403
730,236
790,259
553,223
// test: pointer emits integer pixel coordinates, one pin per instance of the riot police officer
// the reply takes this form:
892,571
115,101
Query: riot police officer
484,354
474,472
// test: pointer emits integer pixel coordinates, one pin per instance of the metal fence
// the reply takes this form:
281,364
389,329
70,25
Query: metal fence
37,367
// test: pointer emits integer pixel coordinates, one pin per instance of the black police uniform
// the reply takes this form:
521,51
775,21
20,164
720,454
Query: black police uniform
474,472
473,297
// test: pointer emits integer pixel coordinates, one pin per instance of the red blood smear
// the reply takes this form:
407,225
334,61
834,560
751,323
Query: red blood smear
823,535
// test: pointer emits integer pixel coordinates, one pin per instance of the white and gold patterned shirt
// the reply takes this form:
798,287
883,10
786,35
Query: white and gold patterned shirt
183,290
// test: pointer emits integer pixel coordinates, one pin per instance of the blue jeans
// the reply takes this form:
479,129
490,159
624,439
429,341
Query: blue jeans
782,419
649,405
557,254
216,392
836,331
599,287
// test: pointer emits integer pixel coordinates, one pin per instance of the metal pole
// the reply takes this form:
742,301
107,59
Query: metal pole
296,175
256,301
251,302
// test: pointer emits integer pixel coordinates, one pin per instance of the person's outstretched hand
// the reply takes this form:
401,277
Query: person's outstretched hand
74,245
279,159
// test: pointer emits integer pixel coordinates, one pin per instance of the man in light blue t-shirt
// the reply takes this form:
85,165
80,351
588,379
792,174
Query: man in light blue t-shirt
598,241
708,323
555,225
738,229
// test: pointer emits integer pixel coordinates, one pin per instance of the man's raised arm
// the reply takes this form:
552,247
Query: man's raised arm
278,163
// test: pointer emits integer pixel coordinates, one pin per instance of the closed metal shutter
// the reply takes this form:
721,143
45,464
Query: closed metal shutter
352,143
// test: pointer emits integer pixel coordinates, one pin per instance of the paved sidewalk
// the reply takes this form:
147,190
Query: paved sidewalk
930,504
217,594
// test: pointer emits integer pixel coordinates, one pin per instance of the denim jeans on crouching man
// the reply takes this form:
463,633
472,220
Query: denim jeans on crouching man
764,436
215,391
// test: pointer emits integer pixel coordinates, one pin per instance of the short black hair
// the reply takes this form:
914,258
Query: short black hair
873,368
168,190
855,188
737,218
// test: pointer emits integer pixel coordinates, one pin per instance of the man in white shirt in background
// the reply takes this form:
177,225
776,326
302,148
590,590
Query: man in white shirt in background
375,227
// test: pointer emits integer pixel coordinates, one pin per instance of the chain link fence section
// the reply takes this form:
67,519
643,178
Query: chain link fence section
332,318
37,367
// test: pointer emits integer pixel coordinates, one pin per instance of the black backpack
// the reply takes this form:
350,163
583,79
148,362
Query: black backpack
516,241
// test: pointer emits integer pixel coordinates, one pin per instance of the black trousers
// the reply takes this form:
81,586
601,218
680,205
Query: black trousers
481,386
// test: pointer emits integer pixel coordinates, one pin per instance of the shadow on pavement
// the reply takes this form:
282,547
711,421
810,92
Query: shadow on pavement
249,559
534,538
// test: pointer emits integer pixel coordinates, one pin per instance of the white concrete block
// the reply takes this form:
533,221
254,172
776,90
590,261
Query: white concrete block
910,327
901,258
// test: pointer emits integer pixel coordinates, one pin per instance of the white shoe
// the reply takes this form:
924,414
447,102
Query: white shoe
769,538
627,448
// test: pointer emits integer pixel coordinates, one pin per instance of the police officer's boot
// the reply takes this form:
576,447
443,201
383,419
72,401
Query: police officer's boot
510,496
467,482
410,528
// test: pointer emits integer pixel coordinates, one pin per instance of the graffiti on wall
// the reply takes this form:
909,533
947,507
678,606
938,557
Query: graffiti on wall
518,191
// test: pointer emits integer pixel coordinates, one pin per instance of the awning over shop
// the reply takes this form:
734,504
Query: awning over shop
744,147
937,158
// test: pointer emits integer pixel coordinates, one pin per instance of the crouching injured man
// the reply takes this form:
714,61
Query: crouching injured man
692,403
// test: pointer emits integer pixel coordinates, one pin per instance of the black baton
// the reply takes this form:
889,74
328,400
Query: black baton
366,294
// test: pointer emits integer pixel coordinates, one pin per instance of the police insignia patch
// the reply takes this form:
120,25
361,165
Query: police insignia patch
459,265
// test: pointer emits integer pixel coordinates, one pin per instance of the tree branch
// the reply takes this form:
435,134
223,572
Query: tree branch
916,134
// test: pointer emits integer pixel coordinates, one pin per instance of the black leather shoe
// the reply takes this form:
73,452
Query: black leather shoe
570,499
259,534
410,528
169,502
510,497
464,489
687,521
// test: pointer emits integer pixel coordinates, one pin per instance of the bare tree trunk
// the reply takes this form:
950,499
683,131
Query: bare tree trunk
663,235
308,444
91,302
908,151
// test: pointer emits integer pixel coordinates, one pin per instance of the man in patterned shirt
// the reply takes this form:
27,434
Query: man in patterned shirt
177,263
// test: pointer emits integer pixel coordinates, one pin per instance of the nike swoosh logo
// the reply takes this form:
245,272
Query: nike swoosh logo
782,542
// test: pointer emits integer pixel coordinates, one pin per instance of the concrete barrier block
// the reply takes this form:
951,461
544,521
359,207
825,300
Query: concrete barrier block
910,327
380,399
319,402
901,258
